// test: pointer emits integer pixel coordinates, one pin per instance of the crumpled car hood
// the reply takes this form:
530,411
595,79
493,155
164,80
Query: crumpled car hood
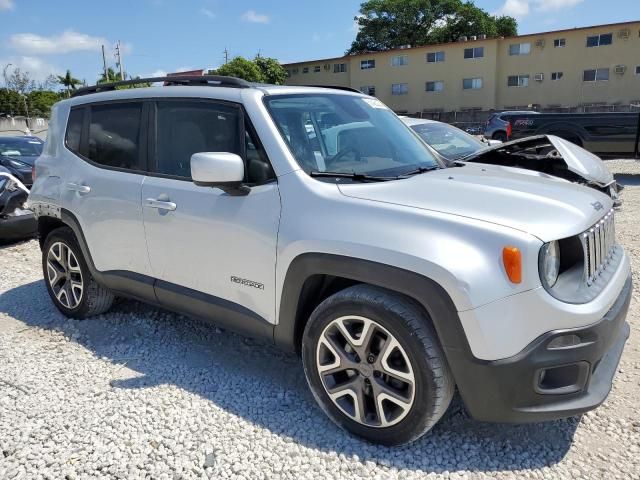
544,206
578,160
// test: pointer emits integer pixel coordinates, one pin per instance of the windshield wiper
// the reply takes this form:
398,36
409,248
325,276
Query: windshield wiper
420,170
358,177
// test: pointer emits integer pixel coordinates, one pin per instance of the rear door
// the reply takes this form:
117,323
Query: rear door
208,248
103,187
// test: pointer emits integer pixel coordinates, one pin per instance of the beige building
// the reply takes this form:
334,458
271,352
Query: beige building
551,70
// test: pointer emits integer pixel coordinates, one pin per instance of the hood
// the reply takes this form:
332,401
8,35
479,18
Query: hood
577,159
543,206
28,159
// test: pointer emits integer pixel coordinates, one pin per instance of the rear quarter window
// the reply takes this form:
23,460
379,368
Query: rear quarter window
74,130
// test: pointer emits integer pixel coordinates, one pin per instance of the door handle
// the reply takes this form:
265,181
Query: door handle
159,204
81,189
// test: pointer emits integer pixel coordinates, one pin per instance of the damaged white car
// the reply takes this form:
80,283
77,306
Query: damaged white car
551,155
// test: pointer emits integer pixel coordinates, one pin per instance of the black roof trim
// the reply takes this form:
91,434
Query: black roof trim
333,87
191,80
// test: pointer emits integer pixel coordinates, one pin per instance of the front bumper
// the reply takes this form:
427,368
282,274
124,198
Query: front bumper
539,383
18,227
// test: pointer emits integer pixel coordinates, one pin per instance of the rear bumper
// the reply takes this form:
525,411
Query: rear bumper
18,227
540,383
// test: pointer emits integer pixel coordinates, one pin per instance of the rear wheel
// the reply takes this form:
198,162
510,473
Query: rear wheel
500,135
374,365
69,282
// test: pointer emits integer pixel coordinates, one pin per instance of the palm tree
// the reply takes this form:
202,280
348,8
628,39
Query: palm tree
111,76
68,81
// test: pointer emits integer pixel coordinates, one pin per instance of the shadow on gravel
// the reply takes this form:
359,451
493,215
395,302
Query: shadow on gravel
267,388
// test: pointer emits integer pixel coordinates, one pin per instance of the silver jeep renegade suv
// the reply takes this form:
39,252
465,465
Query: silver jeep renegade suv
315,218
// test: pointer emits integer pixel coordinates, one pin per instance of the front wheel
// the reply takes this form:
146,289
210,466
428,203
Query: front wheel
374,365
69,282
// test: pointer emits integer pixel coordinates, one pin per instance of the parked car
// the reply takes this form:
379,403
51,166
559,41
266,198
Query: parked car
18,155
538,154
16,222
396,277
602,133
449,141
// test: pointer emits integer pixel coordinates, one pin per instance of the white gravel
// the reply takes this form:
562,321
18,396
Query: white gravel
141,393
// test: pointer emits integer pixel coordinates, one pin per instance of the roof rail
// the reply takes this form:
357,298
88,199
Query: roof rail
202,80
334,87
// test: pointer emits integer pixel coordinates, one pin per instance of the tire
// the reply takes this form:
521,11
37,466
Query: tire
413,369
500,135
69,282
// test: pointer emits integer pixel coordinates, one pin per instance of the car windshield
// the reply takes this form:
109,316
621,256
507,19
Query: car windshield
348,134
20,147
450,142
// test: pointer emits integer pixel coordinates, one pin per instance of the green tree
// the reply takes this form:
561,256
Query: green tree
272,71
69,82
240,67
41,101
506,26
387,24
11,102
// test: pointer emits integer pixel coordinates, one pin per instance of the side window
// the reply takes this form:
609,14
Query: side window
258,168
187,127
114,135
74,130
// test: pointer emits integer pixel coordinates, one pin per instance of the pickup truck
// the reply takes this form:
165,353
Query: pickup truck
602,133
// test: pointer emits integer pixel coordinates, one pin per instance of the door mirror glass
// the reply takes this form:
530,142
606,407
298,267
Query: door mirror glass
218,169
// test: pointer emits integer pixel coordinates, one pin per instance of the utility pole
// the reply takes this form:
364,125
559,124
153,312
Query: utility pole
119,55
104,65
226,55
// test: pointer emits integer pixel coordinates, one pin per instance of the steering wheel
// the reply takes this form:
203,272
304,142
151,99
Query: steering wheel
338,157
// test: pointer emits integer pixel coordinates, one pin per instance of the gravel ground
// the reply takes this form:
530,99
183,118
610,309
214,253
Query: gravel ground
142,393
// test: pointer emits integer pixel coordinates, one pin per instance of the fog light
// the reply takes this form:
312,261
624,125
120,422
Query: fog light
564,341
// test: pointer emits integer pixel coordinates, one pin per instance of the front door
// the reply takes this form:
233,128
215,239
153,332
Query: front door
209,249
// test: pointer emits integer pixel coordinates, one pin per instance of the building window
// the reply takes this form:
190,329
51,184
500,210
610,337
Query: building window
595,75
436,86
399,89
560,42
520,49
435,57
518,81
369,90
599,40
556,75
638,70
477,52
305,70
316,69
472,83
400,60
295,71
367,64
339,67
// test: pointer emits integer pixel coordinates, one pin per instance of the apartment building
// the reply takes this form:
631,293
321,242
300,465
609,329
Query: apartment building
595,65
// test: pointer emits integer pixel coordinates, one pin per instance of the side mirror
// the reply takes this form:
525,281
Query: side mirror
219,169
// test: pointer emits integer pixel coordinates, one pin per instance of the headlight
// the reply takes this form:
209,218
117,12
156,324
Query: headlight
549,263
18,163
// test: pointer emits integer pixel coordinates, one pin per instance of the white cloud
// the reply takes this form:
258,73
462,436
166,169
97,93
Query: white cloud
207,13
37,68
6,5
254,17
522,8
546,5
66,42
514,8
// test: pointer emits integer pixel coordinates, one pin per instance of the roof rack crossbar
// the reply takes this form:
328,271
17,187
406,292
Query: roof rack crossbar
191,80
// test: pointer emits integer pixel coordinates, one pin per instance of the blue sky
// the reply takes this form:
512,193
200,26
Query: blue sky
49,36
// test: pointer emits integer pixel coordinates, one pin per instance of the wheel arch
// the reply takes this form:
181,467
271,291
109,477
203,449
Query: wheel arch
312,277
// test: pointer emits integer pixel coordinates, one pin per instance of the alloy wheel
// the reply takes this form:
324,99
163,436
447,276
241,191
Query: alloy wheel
365,371
64,275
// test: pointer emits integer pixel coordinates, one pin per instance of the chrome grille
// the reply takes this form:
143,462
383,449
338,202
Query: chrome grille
598,243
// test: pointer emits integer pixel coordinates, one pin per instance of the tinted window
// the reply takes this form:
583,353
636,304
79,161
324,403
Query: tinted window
20,147
184,128
74,130
258,168
114,135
